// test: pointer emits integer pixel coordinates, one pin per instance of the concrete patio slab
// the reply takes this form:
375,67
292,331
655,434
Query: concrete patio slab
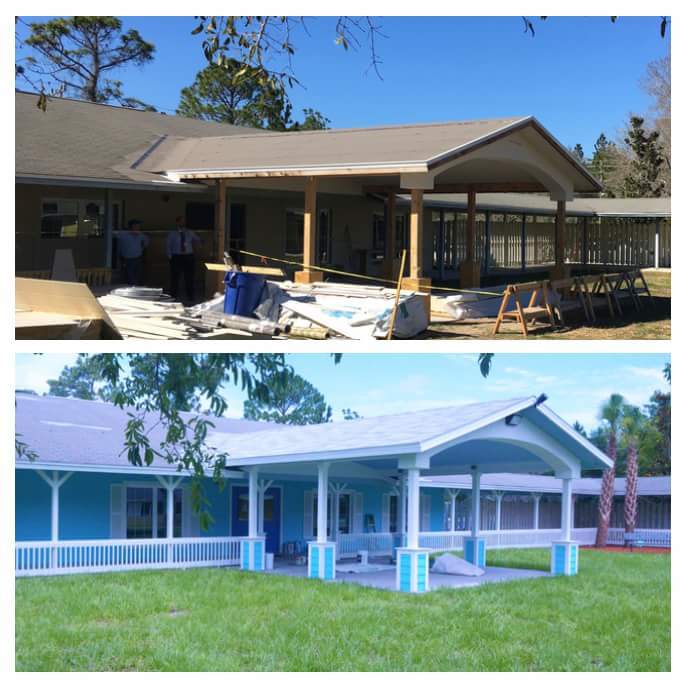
385,580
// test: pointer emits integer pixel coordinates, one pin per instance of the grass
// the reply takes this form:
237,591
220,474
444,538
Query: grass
614,616
650,323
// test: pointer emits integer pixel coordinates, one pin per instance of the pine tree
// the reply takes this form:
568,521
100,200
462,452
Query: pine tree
644,178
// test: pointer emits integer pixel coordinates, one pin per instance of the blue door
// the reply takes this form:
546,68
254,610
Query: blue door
271,515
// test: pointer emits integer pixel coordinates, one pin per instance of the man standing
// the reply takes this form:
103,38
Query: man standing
131,245
180,252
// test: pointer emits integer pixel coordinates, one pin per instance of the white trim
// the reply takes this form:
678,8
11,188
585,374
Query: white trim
115,469
87,182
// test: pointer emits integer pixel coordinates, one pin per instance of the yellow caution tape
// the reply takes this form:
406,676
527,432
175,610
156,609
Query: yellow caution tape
487,294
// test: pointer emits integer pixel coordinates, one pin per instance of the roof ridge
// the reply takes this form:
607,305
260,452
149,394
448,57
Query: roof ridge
267,133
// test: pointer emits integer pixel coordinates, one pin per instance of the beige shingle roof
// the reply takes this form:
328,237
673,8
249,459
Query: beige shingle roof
86,140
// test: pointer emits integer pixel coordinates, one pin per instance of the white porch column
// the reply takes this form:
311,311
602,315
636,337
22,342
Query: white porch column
566,514
453,493
565,553
321,562
412,561
253,502
55,481
474,545
402,507
536,509
498,510
263,486
253,547
413,497
475,502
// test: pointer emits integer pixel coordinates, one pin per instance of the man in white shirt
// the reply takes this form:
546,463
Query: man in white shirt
180,251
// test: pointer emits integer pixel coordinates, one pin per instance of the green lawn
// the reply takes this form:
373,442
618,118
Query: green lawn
614,616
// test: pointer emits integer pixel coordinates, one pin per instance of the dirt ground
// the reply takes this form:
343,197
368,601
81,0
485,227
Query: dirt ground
652,323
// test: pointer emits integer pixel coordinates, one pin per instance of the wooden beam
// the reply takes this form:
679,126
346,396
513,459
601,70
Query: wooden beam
416,234
560,219
220,225
310,219
390,219
471,226
485,187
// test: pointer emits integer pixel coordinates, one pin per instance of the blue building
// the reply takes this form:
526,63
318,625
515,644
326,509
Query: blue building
401,486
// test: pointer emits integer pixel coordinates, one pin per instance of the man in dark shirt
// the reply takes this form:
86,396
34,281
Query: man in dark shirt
131,245
180,251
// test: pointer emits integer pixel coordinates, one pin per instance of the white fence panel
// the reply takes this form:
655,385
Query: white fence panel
39,558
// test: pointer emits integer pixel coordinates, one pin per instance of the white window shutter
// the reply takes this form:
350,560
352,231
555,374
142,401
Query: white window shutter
308,514
118,511
191,524
385,518
357,513
425,523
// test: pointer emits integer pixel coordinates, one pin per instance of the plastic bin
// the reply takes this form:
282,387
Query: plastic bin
242,293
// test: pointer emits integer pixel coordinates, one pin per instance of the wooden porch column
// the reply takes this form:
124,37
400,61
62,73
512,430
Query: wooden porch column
475,502
560,270
309,274
390,219
214,280
55,481
470,270
416,281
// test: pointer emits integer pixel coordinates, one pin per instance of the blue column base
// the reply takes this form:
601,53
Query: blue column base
412,570
252,554
475,551
321,561
564,558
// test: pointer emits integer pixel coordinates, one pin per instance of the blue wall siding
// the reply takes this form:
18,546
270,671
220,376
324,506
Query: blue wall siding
31,506
85,505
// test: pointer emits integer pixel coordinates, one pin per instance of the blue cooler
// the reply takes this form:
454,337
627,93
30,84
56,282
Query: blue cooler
242,293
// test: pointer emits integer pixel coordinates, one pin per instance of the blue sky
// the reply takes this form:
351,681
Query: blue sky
579,75
385,383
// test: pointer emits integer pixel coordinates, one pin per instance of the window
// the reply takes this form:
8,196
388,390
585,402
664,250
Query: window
69,218
378,231
143,519
325,236
393,514
199,216
294,233
401,234
243,510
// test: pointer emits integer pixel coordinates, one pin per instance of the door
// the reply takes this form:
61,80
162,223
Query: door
271,515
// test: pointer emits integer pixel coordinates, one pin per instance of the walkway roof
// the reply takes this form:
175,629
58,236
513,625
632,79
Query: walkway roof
520,203
533,483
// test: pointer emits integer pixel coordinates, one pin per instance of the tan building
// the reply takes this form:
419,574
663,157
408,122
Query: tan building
349,200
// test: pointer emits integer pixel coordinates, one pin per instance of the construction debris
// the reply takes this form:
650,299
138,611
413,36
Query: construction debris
59,310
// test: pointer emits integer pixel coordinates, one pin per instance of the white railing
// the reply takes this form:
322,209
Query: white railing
41,558
348,545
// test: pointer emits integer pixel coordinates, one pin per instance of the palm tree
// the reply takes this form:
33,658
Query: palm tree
633,423
611,412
